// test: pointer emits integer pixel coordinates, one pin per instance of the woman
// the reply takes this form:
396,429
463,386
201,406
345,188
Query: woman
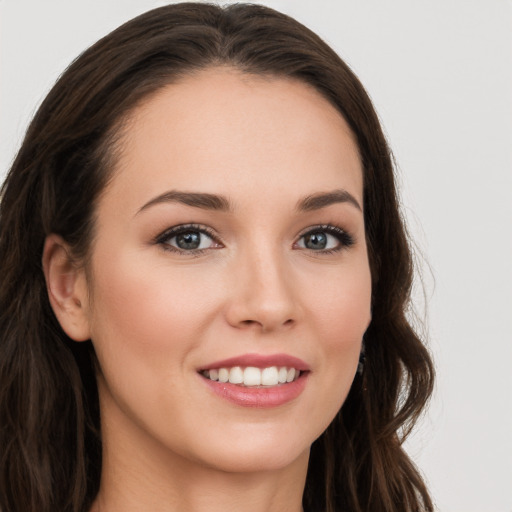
197,233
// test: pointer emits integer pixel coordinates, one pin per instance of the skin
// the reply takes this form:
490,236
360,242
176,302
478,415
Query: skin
156,315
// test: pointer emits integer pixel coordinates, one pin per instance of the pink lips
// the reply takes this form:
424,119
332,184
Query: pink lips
260,361
259,397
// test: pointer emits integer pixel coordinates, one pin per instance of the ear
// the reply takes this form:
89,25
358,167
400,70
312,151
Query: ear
67,288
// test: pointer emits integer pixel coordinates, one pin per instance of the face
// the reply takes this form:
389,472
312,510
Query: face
230,246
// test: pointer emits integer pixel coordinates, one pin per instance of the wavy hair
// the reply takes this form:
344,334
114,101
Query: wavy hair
50,439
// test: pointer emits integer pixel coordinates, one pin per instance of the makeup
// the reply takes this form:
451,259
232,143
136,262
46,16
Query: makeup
230,286
255,380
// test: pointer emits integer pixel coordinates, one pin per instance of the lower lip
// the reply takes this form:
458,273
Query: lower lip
259,397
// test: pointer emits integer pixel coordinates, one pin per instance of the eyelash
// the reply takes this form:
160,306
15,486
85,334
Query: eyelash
173,232
345,239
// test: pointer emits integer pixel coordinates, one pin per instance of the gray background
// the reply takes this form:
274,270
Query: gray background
440,74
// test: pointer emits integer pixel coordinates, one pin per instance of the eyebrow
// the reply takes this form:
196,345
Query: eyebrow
324,199
220,203
196,199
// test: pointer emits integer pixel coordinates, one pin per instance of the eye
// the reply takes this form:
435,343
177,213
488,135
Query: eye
187,238
325,238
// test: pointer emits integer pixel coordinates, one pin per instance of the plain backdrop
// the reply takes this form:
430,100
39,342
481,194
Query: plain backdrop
440,74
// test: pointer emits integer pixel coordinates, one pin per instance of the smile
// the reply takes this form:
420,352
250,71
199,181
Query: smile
252,376
257,380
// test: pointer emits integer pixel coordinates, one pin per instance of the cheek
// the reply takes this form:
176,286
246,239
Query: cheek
147,322
342,303
146,308
342,313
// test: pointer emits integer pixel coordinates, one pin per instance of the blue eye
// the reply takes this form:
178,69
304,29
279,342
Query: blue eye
325,238
187,239
319,241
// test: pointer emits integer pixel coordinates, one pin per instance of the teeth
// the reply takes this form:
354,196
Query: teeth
252,376
269,376
223,375
236,375
291,375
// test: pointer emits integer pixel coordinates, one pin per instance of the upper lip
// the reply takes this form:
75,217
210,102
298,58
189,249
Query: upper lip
259,361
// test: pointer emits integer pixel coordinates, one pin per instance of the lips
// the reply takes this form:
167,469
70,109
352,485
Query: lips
259,361
254,380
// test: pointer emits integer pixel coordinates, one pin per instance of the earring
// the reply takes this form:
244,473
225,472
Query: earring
362,359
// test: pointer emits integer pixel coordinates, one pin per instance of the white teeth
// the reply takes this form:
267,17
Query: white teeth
283,373
291,375
236,375
269,376
252,376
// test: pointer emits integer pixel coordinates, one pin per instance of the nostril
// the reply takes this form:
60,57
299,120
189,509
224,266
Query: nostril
265,325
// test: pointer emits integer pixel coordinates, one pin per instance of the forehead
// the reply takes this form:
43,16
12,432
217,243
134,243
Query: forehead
223,128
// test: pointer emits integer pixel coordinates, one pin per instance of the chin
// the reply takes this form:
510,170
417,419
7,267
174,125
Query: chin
256,460
271,448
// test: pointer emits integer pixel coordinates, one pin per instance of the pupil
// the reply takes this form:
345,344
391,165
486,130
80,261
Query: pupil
316,241
188,240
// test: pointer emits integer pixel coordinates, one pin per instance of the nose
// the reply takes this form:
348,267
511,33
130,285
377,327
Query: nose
262,294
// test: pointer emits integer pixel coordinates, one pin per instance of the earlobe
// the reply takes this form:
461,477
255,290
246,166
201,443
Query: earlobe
67,288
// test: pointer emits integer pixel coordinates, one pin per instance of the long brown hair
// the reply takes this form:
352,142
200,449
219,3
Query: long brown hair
50,440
